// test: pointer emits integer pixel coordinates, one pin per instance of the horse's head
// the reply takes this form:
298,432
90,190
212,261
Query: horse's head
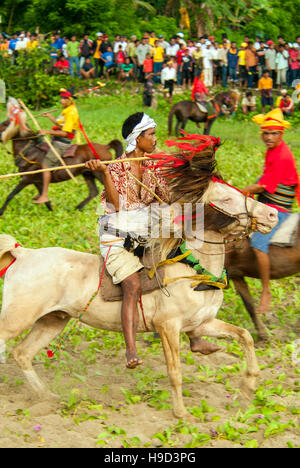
236,213
15,123
229,99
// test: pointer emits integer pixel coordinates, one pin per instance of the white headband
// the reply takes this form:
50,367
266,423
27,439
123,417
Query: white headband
145,124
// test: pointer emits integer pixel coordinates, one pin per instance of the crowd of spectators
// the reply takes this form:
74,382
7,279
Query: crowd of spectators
260,64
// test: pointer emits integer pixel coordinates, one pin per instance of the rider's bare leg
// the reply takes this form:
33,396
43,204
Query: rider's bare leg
130,318
46,182
263,261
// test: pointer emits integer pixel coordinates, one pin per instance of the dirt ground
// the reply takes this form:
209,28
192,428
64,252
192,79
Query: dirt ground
102,404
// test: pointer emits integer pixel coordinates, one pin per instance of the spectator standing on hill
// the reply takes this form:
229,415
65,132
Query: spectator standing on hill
294,63
148,64
223,58
186,69
131,53
217,72
152,39
232,62
261,59
282,65
141,52
105,44
116,43
33,42
168,79
73,53
22,43
242,72
57,44
119,60
124,44
4,47
197,59
208,65
99,64
179,55
251,64
173,48
85,48
158,60
265,85
163,43
270,57
12,47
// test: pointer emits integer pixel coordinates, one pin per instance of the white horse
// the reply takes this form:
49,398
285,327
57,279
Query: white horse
45,288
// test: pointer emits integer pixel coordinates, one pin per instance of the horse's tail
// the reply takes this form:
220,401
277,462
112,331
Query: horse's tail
117,146
170,120
8,251
7,243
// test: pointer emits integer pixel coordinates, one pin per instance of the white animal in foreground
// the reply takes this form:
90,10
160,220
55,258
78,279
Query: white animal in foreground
47,287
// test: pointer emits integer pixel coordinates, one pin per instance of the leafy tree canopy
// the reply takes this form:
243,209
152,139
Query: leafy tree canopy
268,18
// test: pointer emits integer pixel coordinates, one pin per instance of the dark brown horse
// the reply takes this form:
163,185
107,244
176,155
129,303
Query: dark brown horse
285,261
189,110
28,155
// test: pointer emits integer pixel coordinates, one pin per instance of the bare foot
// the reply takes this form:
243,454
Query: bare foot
264,303
198,345
41,200
36,197
133,360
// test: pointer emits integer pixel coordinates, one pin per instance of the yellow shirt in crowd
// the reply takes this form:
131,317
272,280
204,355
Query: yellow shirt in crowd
241,55
32,45
97,53
158,54
152,41
265,83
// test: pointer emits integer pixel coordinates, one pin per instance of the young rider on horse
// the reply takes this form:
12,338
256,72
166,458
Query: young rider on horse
277,187
63,132
199,95
123,194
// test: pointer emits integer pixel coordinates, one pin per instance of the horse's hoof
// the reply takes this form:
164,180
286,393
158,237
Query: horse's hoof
49,206
247,390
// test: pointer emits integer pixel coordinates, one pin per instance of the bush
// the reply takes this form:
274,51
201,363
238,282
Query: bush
31,78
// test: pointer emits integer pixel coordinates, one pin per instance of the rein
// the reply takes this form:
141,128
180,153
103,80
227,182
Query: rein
251,220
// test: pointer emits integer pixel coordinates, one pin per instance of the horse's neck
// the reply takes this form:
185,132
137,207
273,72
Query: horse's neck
210,256
19,144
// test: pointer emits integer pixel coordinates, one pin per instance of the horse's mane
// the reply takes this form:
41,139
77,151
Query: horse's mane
189,175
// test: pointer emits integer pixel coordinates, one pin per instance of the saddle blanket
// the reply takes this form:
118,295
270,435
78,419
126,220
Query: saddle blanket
68,150
113,292
287,234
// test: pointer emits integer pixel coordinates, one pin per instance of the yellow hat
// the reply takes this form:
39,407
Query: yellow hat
244,44
273,119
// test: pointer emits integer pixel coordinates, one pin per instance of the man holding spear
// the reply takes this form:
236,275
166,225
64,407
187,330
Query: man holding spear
62,133
130,185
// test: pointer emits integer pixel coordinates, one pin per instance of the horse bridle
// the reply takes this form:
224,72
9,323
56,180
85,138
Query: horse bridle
251,220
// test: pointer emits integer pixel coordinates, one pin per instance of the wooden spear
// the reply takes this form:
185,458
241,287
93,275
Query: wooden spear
47,140
74,166
49,112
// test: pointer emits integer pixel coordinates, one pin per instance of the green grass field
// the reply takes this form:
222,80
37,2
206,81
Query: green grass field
240,161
